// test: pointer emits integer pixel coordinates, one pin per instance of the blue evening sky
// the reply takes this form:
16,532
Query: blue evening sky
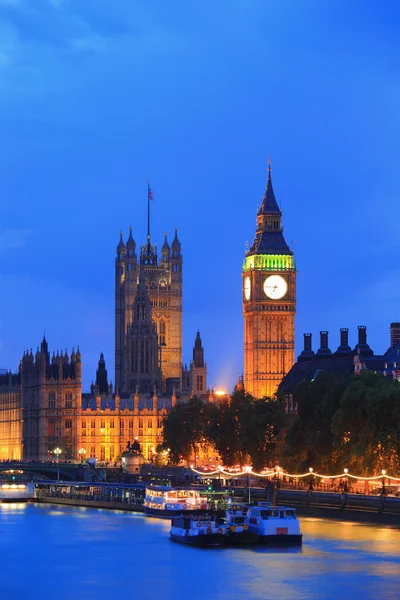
97,96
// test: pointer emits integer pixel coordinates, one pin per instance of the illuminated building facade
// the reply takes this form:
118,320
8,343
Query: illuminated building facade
10,417
136,361
269,302
42,408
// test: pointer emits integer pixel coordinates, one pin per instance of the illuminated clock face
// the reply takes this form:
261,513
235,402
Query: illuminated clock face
275,287
247,288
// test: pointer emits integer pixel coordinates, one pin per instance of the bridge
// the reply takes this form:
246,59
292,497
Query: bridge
66,471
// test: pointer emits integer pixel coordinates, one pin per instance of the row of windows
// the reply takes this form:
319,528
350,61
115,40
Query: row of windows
67,403
159,303
122,423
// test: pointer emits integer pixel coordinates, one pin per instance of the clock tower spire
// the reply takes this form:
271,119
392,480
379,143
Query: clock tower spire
269,301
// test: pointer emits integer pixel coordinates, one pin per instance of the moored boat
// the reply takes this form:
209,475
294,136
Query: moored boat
197,530
236,526
167,502
17,492
276,525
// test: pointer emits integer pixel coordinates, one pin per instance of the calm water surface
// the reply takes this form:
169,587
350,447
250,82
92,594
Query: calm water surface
52,552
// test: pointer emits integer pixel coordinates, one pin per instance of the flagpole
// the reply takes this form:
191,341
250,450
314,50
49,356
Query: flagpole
148,209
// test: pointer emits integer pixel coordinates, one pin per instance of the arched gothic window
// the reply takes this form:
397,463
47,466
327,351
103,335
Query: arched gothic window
162,332
52,399
68,400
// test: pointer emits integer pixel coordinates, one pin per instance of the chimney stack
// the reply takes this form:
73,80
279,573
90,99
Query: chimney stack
394,334
307,342
344,336
344,347
362,346
308,351
362,335
323,339
324,350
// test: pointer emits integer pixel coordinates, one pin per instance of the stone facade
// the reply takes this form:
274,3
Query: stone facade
42,408
10,417
163,280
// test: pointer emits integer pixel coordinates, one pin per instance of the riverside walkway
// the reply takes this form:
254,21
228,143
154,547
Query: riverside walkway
130,497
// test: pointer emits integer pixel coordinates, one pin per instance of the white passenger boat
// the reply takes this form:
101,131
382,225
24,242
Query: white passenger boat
236,526
17,492
197,530
275,524
167,502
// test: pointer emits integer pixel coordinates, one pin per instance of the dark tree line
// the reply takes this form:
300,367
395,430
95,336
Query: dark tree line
353,423
242,430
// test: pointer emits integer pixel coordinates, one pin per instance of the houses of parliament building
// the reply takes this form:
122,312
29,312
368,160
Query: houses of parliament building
42,407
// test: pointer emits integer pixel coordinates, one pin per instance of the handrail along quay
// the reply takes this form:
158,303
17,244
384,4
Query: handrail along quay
98,495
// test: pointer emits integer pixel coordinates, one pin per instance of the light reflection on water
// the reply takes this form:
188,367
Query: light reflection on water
65,552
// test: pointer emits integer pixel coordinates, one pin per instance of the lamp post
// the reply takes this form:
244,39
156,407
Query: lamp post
248,470
278,483
310,487
383,482
57,451
82,453
345,487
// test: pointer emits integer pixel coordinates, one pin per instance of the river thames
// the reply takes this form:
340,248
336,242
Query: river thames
54,552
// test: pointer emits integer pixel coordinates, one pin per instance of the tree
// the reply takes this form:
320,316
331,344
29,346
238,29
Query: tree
366,426
225,428
310,441
246,430
261,429
185,428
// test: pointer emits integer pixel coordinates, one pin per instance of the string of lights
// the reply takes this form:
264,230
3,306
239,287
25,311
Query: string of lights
278,471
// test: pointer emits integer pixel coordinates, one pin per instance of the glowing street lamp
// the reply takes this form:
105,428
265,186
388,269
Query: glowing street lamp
345,487
310,487
82,453
57,451
278,483
383,482
248,471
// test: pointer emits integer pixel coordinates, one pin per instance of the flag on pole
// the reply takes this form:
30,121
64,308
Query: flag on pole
149,192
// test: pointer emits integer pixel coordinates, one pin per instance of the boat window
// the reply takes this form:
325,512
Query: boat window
238,520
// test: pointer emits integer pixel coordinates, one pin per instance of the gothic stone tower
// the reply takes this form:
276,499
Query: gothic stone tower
51,396
163,280
269,302
198,369
142,367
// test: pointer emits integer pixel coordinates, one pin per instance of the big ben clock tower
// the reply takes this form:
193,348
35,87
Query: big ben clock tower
269,302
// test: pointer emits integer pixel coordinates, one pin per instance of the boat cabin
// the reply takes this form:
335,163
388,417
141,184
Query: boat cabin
170,498
270,512
200,522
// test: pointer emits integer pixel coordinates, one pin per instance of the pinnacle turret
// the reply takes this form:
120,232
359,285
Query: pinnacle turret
176,245
121,245
165,246
130,244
